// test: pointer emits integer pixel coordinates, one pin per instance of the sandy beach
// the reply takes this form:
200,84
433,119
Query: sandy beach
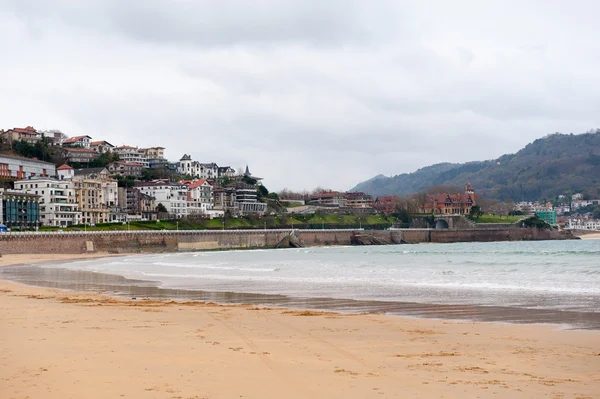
62,344
590,236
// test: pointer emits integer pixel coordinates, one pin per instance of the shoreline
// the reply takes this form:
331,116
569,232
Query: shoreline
119,287
75,344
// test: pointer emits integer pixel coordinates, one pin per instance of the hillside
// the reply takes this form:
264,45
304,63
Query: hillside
555,164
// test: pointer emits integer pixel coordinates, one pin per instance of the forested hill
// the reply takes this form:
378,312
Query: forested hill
553,165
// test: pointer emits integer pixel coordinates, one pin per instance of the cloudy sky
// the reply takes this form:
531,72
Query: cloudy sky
308,93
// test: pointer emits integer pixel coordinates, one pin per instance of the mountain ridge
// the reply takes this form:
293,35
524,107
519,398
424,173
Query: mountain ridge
549,166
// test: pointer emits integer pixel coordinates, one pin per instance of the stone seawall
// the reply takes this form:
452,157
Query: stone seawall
175,241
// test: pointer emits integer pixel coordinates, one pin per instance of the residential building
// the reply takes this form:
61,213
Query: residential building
28,134
449,204
159,163
583,224
225,172
246,200
19,209
578,196
101,147
110,193
78,141
134,202
154,152
173,196
224,198
79,155
388,203
57,204
131,154
328,199
359,200
54,137
583,203
199,196
65,172
92,173
188,167
23,168
547,216
123,168
90,199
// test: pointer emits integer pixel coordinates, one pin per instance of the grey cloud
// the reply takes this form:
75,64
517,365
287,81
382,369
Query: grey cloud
306,92
222,23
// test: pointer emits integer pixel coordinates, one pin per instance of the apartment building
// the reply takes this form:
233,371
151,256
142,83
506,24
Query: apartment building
57,203
123,168
79,155
131,154
102,146
173,196
90,199
19,209
23,168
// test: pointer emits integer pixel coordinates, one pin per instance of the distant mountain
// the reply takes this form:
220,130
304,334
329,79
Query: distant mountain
553,165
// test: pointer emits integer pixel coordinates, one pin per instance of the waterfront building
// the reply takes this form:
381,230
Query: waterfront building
23,168
547,216
19,209
173,196
332,199
90,199
57,204
388,203
449,204
199,196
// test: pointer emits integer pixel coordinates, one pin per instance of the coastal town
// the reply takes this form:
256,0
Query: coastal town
93,182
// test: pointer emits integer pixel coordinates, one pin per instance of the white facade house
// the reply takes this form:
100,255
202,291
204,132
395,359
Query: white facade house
199,196
58,205
65,172
582,224
78,141
131,154
173,196
188,167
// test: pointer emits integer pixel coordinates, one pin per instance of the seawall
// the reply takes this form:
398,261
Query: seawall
193,240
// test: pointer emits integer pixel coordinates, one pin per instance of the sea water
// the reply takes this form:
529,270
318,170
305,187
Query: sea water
557,275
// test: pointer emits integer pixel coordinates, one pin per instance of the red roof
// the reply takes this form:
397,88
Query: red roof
28,129
64,167
74,139
100,142
126,146
194,183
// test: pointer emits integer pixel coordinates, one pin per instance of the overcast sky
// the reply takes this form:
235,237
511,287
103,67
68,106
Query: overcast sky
308,93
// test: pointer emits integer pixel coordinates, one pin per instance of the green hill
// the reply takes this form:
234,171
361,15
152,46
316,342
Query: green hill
553,165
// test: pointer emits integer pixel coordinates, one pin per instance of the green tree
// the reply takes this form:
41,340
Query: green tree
161,208
475,212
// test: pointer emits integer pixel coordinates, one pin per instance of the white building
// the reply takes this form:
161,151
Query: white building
58,205
23,168
65,172
78,141
188,167
173,196
199,196
131,154
583,224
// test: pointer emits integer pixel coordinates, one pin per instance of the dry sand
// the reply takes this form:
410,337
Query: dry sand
59,344
592,235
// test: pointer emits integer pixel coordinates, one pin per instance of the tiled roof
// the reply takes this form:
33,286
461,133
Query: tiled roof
101,142
74,139
194,183
64,167
28,129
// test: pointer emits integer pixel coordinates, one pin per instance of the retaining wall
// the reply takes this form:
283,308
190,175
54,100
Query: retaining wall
174,241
